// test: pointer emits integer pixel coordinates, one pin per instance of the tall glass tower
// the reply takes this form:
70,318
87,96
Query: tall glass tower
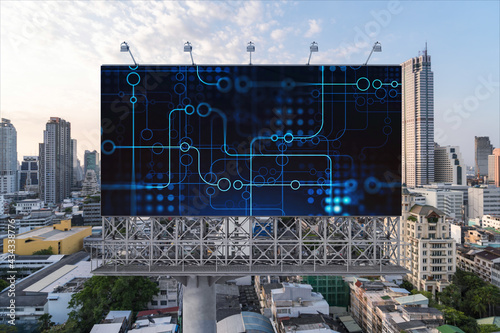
418,121
8,157
56,161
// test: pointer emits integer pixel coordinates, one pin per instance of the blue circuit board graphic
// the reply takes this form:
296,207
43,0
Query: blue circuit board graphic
256,140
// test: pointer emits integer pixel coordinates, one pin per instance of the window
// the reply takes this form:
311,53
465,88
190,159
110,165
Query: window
449,253
163,292
163,302
424,245
279,311
424,260
38,309
154,303
450,268
424,253
450,260
424,268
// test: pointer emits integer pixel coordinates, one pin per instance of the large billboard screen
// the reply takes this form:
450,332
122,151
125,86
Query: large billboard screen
261,140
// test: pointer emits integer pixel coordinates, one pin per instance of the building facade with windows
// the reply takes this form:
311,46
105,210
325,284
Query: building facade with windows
418,121
431,249
484,201
56,161
449,166
8,157
482,148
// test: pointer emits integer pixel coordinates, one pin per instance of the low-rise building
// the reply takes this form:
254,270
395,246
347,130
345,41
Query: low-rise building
62,238
490,221
25,206
294,299
484,261
92,213
476,236
379,306
168,295
305,324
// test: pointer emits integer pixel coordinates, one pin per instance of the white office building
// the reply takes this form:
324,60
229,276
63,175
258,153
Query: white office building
489,221
8,157
295,299
25,207
418,121
484,201
449,167
449,202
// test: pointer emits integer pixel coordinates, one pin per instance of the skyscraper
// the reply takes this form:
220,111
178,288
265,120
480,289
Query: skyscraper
8,157
496,172
74,163
91,162
56,161
28,175
418,121
482,148
449,167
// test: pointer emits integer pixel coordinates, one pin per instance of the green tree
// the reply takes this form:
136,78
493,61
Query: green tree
469,325
7,328
44,322
44,252
488,328
407,285
451,296
3,284
70,326
476,304
104,293
490,295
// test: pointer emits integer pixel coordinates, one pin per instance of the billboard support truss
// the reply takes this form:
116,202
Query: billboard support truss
236,246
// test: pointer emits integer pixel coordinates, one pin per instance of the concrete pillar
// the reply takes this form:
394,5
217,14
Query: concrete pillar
198,304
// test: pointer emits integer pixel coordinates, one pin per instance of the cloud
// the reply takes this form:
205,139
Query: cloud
314,28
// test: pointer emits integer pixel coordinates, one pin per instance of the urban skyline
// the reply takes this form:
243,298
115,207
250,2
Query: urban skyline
60,66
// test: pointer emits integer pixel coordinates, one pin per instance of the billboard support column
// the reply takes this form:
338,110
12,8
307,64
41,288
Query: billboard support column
198,304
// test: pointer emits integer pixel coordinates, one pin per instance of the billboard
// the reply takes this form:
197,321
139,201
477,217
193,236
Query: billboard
261,140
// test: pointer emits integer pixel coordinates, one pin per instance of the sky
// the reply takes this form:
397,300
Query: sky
51,52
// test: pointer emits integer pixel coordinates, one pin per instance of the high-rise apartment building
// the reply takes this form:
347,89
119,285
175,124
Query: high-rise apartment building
74,163
418,121
482,148
449,166
431,250
491,169
496,167
91,162
28,175
8,157
56,161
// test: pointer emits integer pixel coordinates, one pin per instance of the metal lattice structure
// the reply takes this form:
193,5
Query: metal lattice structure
235,246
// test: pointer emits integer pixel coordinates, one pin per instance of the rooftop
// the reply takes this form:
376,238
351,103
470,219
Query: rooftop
35,299
411,299
487,255
449,329
426,210
50,234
